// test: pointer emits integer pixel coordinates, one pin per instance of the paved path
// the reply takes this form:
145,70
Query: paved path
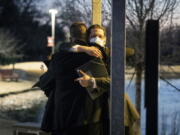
6,127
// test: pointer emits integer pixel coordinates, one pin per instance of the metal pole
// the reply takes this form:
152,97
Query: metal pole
97,12
151,76
117,68
53,13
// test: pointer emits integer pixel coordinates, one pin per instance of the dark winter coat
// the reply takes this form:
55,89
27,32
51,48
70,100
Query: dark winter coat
69,104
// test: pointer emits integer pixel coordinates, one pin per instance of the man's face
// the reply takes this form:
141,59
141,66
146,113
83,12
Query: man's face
98,33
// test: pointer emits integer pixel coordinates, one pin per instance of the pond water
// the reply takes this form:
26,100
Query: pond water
169,106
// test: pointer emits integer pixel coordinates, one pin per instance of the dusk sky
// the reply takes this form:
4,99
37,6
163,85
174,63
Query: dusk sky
48,4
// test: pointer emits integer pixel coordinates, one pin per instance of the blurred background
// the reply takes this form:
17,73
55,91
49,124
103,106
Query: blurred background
25,26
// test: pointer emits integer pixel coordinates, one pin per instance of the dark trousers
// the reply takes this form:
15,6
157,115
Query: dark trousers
91,129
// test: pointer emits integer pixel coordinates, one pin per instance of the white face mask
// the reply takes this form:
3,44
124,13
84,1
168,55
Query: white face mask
98,41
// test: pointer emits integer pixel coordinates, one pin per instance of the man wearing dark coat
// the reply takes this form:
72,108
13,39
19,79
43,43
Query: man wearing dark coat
69,109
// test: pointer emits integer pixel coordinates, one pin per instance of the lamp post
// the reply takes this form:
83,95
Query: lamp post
53,13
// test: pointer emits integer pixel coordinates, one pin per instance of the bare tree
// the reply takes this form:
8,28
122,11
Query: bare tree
9,48
73,11
80,10
170,45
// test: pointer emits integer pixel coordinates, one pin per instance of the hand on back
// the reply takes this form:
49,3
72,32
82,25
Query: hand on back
92,51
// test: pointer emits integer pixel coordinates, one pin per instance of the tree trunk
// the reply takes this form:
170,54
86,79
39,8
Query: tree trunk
139,70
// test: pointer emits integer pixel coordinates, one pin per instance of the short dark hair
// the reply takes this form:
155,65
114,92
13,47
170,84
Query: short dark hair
78,30
95,26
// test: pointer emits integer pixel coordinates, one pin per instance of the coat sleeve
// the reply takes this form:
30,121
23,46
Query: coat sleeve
103,83
46,83
65,46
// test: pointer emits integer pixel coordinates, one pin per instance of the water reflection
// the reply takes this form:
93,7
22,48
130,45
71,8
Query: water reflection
169,105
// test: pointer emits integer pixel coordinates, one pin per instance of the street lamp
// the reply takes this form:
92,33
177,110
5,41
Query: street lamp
53,13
